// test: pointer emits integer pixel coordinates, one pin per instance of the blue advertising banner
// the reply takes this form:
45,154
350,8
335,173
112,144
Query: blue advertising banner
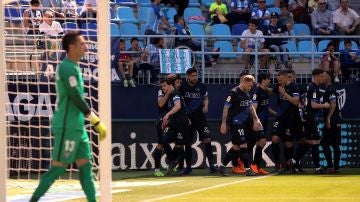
175,61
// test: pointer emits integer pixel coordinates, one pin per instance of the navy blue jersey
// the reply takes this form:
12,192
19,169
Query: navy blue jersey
180,117
284,106
330,95
239,103
313,94
262,99
270,29
161,110
194,97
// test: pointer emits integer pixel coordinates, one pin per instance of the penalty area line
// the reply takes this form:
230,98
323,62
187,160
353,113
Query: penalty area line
208,188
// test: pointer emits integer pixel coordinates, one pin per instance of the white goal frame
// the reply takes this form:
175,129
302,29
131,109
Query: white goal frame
3,152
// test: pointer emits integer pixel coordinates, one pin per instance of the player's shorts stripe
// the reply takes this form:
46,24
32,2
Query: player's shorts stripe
63,129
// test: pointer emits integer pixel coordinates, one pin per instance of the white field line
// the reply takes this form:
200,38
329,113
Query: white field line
207,188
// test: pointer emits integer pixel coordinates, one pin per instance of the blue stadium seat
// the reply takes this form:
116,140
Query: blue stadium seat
221,29
24,2
114,29
129,29
12,14
270,3
307,46
129,3
113,17
194,3
238,29
354,45
225,46
69,26
192,11
170,12
274,9
322,44
126,14
207,3
144,14
144,2
197,30
239,49
89,29
291,47
301,30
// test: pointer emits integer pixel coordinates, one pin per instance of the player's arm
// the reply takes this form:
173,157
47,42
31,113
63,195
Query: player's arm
257,122
176,108
272,112
223,127
331,110
294,99
162,98
315,101
205,108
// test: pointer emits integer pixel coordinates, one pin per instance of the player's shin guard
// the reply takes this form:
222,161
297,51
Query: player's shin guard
337,154
157,157
315,155
46,181
289,153
169,152
258,155
276,152
179,153
327,154
231,155
188,155
87,182
209,152
244,157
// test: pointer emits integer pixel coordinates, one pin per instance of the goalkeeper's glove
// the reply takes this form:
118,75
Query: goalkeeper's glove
99,126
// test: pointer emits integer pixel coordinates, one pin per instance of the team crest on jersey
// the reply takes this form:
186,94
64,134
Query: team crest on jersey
342,98
228,99
180,136
254,97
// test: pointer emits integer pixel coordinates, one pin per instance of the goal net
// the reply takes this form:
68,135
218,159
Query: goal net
32,53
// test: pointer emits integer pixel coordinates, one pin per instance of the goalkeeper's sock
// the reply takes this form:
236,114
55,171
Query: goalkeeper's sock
157,157
209,152
231,155
46,181
258,155
87,182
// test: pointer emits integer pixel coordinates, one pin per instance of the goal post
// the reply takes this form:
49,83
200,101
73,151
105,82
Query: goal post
104,92
3,133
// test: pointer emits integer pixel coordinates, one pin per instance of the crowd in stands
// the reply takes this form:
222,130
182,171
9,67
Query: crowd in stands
259,17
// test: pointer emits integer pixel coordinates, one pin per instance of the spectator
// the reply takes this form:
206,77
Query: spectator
56,7
276,44
154,52
301,14
330,62
50,27
124,61
346,20
140,59
218,11
312,5
261,14
89,9
70,9
286,18
32,18
181,5
154,27
191,43
322,20
248,44
333,5
240,12
348,59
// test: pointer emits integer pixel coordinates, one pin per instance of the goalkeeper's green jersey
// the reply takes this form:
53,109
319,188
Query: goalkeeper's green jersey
70,103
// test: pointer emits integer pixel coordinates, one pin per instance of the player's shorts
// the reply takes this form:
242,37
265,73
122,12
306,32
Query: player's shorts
240,133
70,145
311,130
159,132
297,128
253,136
199,124
332,136
281,128
180,135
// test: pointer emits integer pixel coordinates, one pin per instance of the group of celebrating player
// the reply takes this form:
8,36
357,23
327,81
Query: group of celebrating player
298,112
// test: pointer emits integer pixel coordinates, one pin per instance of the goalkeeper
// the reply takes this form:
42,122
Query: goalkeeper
71,142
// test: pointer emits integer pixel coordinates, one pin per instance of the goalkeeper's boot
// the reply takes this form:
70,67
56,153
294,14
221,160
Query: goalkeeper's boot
132,83
158,173
187,171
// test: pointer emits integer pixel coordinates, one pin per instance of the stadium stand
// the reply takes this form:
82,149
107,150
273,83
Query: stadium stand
193,15
126,14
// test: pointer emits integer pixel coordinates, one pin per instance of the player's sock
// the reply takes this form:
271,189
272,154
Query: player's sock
289,153
231,155
315,155
157,157
276,152
244,157
179,153
258,155
209,152
337,154
169,152
46,181
188,155
301,151
327,154
87,182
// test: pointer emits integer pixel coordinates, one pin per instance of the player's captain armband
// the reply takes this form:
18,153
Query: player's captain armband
73,81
